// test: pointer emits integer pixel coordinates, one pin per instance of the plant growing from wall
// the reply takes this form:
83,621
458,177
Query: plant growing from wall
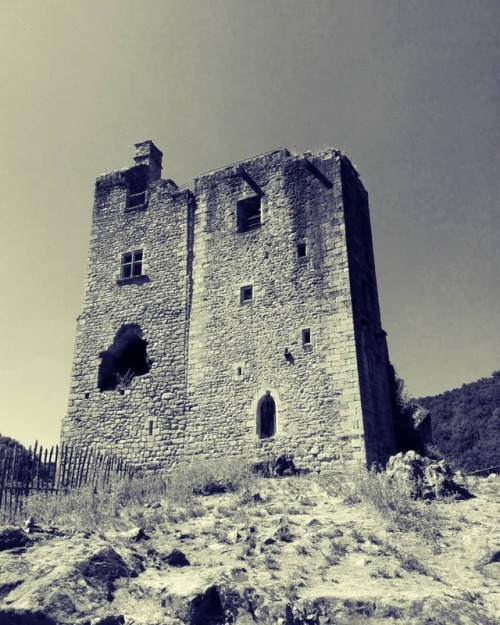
124,381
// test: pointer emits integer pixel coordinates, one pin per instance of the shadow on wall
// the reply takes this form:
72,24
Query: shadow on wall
124,359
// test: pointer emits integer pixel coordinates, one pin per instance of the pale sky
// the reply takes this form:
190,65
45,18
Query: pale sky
407,88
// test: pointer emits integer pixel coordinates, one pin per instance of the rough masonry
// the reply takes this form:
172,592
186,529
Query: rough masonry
236,315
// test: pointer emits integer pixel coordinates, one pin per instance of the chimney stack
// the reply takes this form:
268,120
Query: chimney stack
146,153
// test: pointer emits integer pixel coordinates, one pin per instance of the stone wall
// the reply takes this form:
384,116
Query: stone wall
156,301
371,344
213,357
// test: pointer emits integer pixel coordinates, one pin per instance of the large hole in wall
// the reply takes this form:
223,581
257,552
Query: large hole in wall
125,359
137,181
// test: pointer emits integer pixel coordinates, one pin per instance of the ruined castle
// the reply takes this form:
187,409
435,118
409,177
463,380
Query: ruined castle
235,315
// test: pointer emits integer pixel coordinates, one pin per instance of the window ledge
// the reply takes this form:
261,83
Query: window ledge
133,280
255,228
138,208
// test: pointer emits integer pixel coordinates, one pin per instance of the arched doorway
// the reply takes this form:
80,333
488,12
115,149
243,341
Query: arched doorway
266,416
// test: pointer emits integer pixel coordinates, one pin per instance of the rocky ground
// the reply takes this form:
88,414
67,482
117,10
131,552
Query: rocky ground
289,551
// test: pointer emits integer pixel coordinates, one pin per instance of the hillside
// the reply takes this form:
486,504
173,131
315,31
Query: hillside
466,423
301,550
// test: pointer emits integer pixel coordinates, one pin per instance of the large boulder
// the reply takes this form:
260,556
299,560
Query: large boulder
61,581
424,478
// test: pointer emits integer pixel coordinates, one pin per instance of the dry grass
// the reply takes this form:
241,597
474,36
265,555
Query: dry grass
148,499
392,501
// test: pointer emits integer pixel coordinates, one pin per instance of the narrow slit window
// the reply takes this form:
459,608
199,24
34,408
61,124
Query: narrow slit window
240,371
150,428
306,336
131,265
301,250
246,294
248,214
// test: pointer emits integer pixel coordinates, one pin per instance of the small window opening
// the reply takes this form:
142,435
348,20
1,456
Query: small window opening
301,250
150,428
248,214
306,336
239,371
246,294
125,359
266,416
87,395
131,265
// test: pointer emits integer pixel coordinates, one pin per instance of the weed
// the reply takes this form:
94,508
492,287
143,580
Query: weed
381,572
472,596
271,563
391,611
291,594
307,501
302,550
224,511
409,562
374,539
358,536
284,534
338,548
331,533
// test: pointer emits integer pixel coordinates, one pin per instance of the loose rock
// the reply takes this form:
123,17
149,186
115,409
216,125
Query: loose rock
176,558
13,538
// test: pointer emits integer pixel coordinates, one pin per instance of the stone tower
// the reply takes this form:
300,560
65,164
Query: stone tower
236,315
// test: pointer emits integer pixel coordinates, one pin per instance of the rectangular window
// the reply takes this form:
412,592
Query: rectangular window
248,214
301,250
131,264
246,294
306,336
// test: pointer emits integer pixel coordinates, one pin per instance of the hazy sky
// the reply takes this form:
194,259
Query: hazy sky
408,88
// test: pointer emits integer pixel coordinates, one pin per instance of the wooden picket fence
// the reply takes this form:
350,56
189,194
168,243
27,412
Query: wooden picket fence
51,471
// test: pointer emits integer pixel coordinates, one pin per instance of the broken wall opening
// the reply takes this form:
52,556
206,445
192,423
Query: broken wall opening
124,359
138,184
